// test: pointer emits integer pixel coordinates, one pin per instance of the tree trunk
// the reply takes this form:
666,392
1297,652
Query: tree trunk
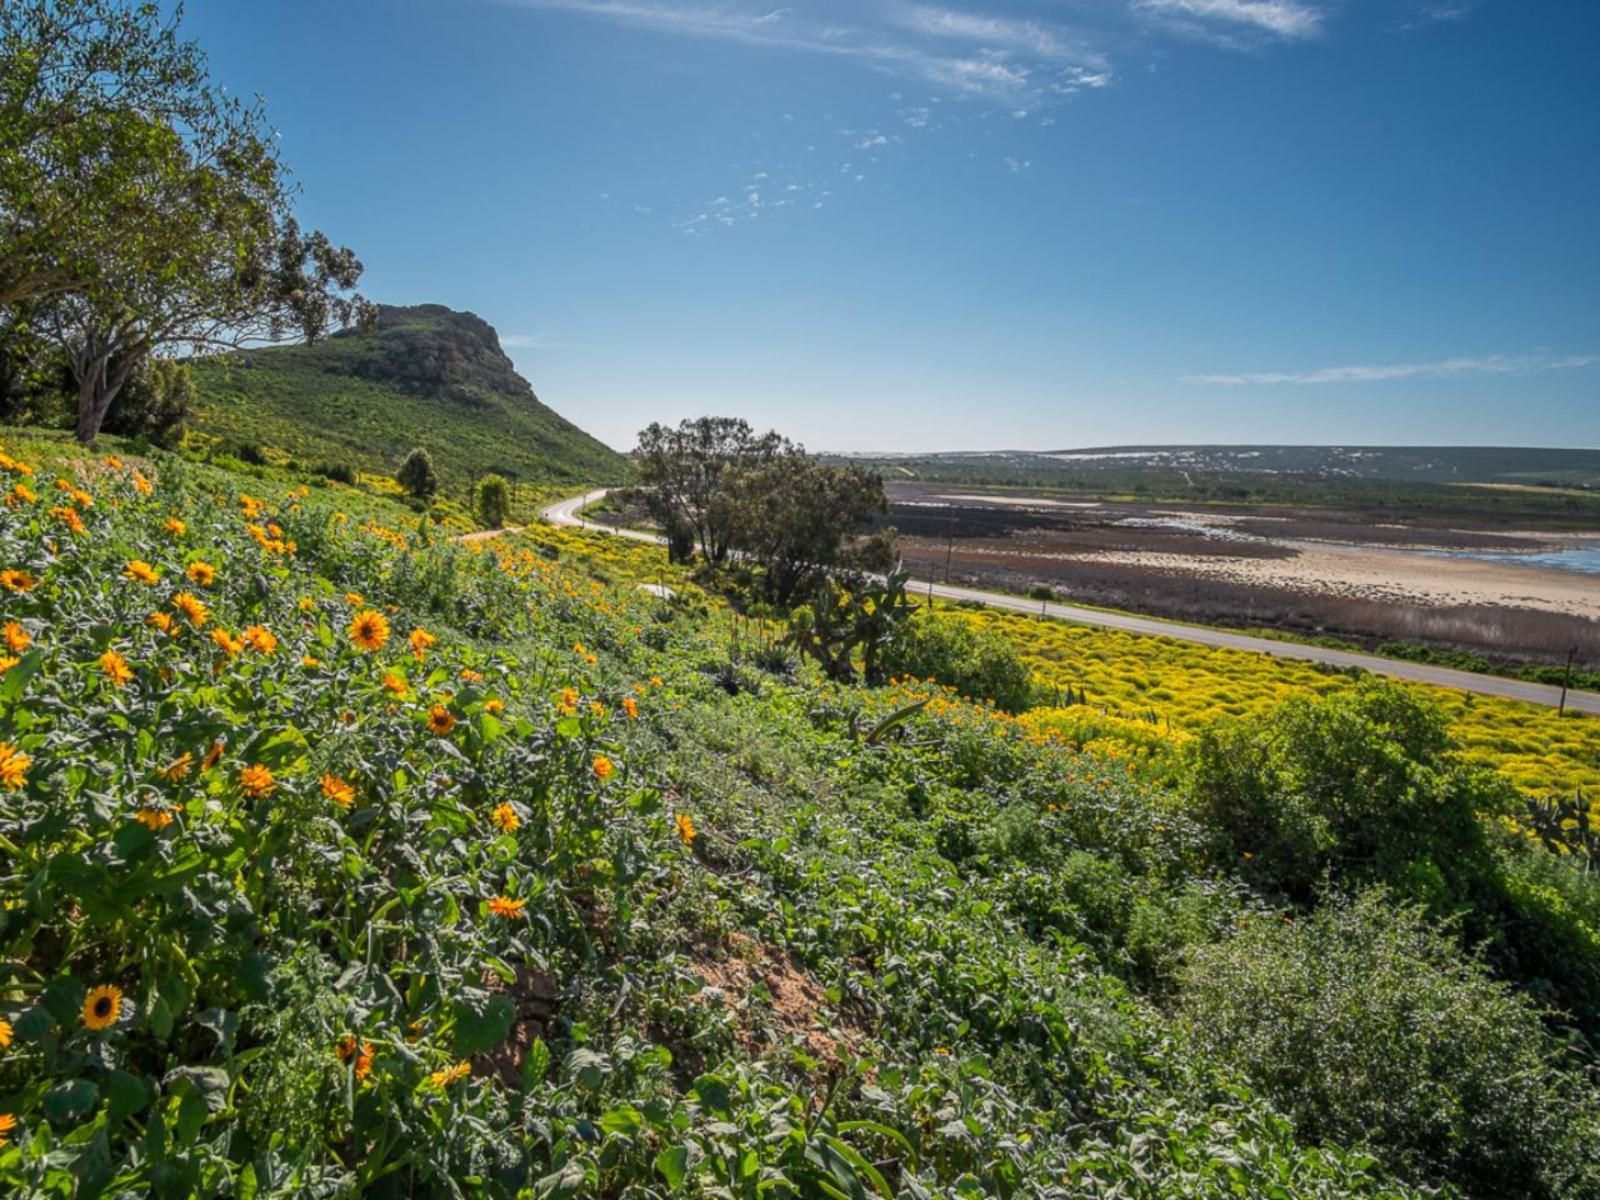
98,386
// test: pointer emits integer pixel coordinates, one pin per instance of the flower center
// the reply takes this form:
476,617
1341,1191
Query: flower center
102,1006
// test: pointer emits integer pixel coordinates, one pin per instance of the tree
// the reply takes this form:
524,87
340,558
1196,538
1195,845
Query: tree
416,474
83,86
794,515
682,471
494,501
144,210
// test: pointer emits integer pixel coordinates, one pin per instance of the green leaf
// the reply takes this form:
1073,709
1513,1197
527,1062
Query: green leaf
126,1094
673,1165
70,1101
482,1022
626,1121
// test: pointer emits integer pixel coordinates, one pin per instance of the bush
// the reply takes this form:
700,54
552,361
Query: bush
155,404
979,663
1359,787
493,501
338,472
416,474
1366,1025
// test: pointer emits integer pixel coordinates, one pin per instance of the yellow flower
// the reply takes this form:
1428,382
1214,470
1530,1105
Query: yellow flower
257,781
470,675
17,638
440,720
178,769
159,620
494,706
103,1006
309,661
443,1079
307,604
393,683
686,830
140,571
5,1033
631,707
14,580
192,607
116,668
504,906
213,757
7,662
13,767
202,573
153,819
420,640
7,1121
225,641
112,461
569,701
68,517
346,1049
656,681
354,598
260,639
175,527
141,484
505,818
369,630
598,709
338,790
602,768
21,494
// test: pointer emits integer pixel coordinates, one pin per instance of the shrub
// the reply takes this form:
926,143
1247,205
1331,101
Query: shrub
1366,1025
155,404
979,663
416,474
338,472
493,501
1359,786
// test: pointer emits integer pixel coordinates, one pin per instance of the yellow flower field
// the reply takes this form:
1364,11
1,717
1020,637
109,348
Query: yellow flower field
1158,688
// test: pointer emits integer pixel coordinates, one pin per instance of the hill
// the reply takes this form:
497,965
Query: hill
422,376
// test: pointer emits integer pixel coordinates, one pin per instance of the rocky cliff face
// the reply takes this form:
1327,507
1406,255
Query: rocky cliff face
432,350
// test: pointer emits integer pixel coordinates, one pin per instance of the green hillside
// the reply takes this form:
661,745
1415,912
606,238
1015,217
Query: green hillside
423,376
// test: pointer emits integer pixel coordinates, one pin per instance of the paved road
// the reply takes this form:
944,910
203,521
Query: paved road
568,513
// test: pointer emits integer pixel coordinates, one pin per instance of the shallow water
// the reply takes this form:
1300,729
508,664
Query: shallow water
1585,559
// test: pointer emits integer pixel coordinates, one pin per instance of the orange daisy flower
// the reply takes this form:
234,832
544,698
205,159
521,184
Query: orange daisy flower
504,906
257,781
116,668
369,630
441,720
338,790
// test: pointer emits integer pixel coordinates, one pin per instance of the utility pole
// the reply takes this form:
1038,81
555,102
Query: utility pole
949,546
1566,678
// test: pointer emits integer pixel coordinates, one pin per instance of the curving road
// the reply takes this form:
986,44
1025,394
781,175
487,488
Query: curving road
569,512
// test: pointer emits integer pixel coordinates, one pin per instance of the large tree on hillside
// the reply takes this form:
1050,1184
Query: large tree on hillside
682,471
87,90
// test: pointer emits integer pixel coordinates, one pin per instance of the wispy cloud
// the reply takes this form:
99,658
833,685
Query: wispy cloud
1281,18
1449,368
1017,62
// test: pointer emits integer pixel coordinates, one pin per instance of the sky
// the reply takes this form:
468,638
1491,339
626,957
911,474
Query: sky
884,225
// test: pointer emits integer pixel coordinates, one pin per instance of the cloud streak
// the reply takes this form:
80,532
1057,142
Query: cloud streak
1289,19
1449,368
1016,62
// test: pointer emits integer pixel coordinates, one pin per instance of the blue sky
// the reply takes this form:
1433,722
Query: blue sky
888,225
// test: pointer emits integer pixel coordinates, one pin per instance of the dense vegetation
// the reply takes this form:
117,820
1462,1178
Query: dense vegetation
422,376
340,859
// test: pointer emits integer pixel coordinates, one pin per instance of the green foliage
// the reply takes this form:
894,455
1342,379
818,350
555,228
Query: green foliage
1367,1027
979,663
1358,787
493,502
416,474
155,404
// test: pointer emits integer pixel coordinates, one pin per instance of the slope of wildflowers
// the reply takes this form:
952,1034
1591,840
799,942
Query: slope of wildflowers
336,860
